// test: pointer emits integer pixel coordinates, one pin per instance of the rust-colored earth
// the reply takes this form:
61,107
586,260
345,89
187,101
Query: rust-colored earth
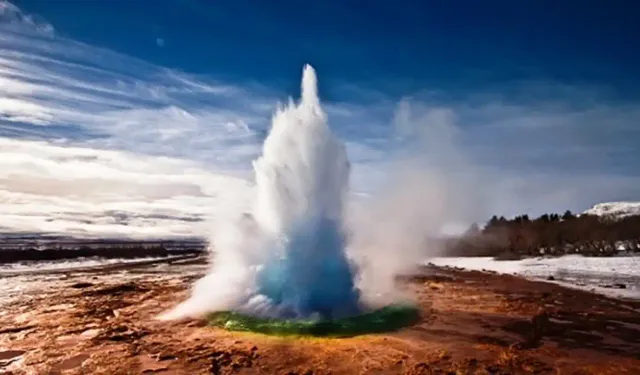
472,323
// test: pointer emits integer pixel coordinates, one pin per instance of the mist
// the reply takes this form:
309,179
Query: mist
432,191
306,250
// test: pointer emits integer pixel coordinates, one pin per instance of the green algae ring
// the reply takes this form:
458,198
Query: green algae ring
389,318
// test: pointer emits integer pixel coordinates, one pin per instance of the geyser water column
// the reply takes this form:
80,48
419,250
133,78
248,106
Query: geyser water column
302,182
284,269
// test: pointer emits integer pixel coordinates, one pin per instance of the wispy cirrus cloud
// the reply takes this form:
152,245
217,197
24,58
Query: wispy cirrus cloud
71,90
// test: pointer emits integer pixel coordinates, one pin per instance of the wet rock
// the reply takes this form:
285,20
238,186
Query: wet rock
234,359
90,333
157,369
81,285
197,323
60,307
166,357
122,334
117,290
614,286
68,340
10,354
149,366
71,363
422,368
77,338
16,329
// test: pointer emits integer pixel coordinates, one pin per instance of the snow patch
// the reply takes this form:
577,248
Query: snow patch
617,210
588,273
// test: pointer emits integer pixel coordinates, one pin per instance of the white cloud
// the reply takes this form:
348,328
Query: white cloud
83,191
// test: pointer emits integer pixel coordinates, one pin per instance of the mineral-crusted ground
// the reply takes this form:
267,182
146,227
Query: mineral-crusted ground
472,322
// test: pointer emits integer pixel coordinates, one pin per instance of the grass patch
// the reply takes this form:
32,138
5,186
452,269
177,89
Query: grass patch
389,318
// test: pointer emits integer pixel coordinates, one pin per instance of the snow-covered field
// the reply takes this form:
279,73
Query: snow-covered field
602,275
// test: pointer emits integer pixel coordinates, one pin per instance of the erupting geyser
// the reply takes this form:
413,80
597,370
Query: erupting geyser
288,259
302,180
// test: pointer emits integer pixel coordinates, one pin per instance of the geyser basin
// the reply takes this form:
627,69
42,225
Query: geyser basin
285,267
389,318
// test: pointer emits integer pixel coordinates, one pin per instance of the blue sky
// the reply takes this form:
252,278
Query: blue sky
397,47
535,102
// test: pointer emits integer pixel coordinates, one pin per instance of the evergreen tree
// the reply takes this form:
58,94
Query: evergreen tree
492,222
568,215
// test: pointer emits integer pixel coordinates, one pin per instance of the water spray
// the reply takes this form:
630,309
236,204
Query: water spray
285,268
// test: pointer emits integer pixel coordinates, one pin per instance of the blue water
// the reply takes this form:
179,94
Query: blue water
314,276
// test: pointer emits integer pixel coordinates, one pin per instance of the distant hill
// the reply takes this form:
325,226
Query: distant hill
616,210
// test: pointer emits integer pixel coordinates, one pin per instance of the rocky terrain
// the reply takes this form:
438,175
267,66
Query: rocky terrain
102,322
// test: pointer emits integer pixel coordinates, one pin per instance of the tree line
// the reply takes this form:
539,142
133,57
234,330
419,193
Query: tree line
550,234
